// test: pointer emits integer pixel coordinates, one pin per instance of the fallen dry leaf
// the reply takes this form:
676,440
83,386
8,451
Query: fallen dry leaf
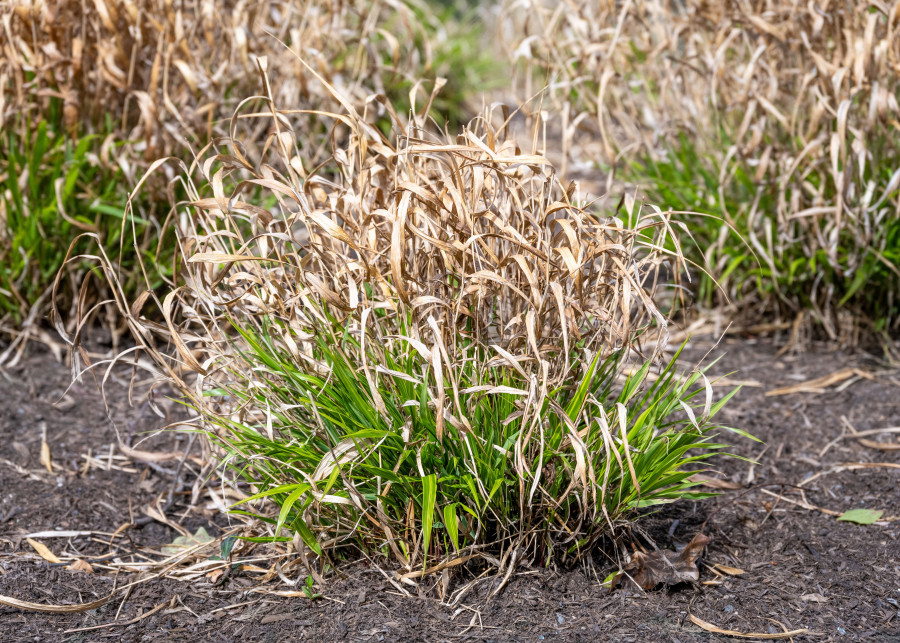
709,627
215,575
881,446
668,567
9,601
715,483
81,566
58,534
725,569
43,551
46,461
147,456
819,384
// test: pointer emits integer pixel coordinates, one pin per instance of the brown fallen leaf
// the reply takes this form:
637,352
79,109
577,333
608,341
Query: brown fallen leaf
715,483
147,456
709,627
819,384
43,551
725,569
668,567
46,460
81,566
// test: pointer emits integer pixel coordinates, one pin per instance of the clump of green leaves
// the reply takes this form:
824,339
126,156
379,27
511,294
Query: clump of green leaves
778,123
53,189
348,462
745,252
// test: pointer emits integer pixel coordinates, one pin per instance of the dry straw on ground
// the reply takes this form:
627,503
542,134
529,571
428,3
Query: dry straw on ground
792,106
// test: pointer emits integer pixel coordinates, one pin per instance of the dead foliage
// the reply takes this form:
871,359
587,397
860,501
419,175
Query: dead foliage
667,567
709,627
164,72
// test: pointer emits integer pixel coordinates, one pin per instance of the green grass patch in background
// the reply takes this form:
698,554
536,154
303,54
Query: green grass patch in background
746,253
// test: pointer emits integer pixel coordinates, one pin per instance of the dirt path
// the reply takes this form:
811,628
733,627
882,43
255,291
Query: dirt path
803,568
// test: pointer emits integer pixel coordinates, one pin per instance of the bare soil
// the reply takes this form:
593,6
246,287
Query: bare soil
802,567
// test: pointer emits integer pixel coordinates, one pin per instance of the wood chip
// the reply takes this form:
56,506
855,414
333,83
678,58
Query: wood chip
813,598
275,618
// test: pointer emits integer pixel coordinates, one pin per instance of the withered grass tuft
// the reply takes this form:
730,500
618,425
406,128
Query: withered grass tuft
417,349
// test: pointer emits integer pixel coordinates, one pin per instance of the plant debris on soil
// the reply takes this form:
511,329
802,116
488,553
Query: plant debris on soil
778,560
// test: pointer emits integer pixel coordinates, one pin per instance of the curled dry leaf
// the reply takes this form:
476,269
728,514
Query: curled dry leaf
715,483
819,384
9,601
46,460
43,551
881,446
81,566
725,569
668,567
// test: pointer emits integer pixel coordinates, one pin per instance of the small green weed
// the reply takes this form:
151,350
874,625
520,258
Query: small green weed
308,590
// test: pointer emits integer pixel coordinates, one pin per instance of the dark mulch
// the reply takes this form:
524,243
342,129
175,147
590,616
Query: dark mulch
804,569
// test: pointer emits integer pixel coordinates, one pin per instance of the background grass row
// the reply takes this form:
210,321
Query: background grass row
90,99
778,123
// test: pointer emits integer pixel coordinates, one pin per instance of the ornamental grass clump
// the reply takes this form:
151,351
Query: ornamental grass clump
92,93
419,349
779,118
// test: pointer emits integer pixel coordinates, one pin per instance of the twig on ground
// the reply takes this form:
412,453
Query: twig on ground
124,623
